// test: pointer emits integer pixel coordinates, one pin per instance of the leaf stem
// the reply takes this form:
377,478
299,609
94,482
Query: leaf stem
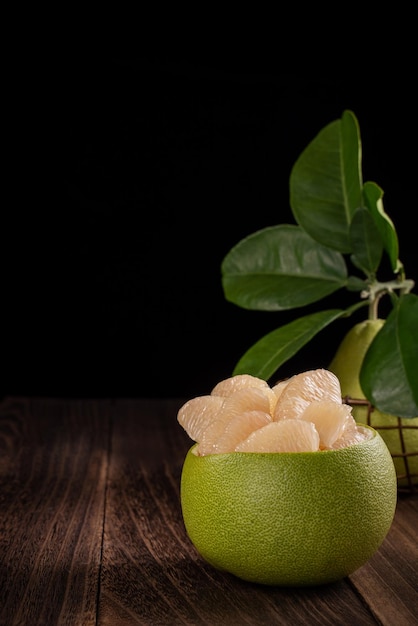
377,290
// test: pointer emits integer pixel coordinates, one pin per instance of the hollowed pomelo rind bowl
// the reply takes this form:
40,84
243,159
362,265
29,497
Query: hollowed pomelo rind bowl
290,519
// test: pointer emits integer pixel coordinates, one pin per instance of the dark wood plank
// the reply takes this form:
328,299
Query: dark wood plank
152,575
389,580
53,466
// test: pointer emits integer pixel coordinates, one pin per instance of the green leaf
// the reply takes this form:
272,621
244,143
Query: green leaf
265,357
373,195
356,284
389,374
280,268
326,183
351,161
366,242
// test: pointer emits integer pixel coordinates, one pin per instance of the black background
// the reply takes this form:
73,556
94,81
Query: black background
132,178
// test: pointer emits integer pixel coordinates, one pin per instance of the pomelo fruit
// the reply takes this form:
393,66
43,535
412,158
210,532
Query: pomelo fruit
290,518
277,497
346,365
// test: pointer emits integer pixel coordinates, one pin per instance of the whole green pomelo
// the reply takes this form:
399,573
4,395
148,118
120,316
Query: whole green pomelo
290,518
346,365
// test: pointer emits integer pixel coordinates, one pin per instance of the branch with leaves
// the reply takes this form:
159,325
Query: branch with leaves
339,239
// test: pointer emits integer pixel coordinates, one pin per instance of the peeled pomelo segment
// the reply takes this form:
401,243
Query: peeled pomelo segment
292,435
329,419
245,399
279,387
351,435
272,398
213,432
304,388
228,386
196,414
275,393
238,429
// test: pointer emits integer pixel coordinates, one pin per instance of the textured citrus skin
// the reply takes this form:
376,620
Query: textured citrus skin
290,519
346,365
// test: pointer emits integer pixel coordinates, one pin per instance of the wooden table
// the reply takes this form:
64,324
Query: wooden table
91,531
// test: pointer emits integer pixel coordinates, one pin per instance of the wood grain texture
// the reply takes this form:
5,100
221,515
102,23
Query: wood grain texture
91,531
54,459
389,580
